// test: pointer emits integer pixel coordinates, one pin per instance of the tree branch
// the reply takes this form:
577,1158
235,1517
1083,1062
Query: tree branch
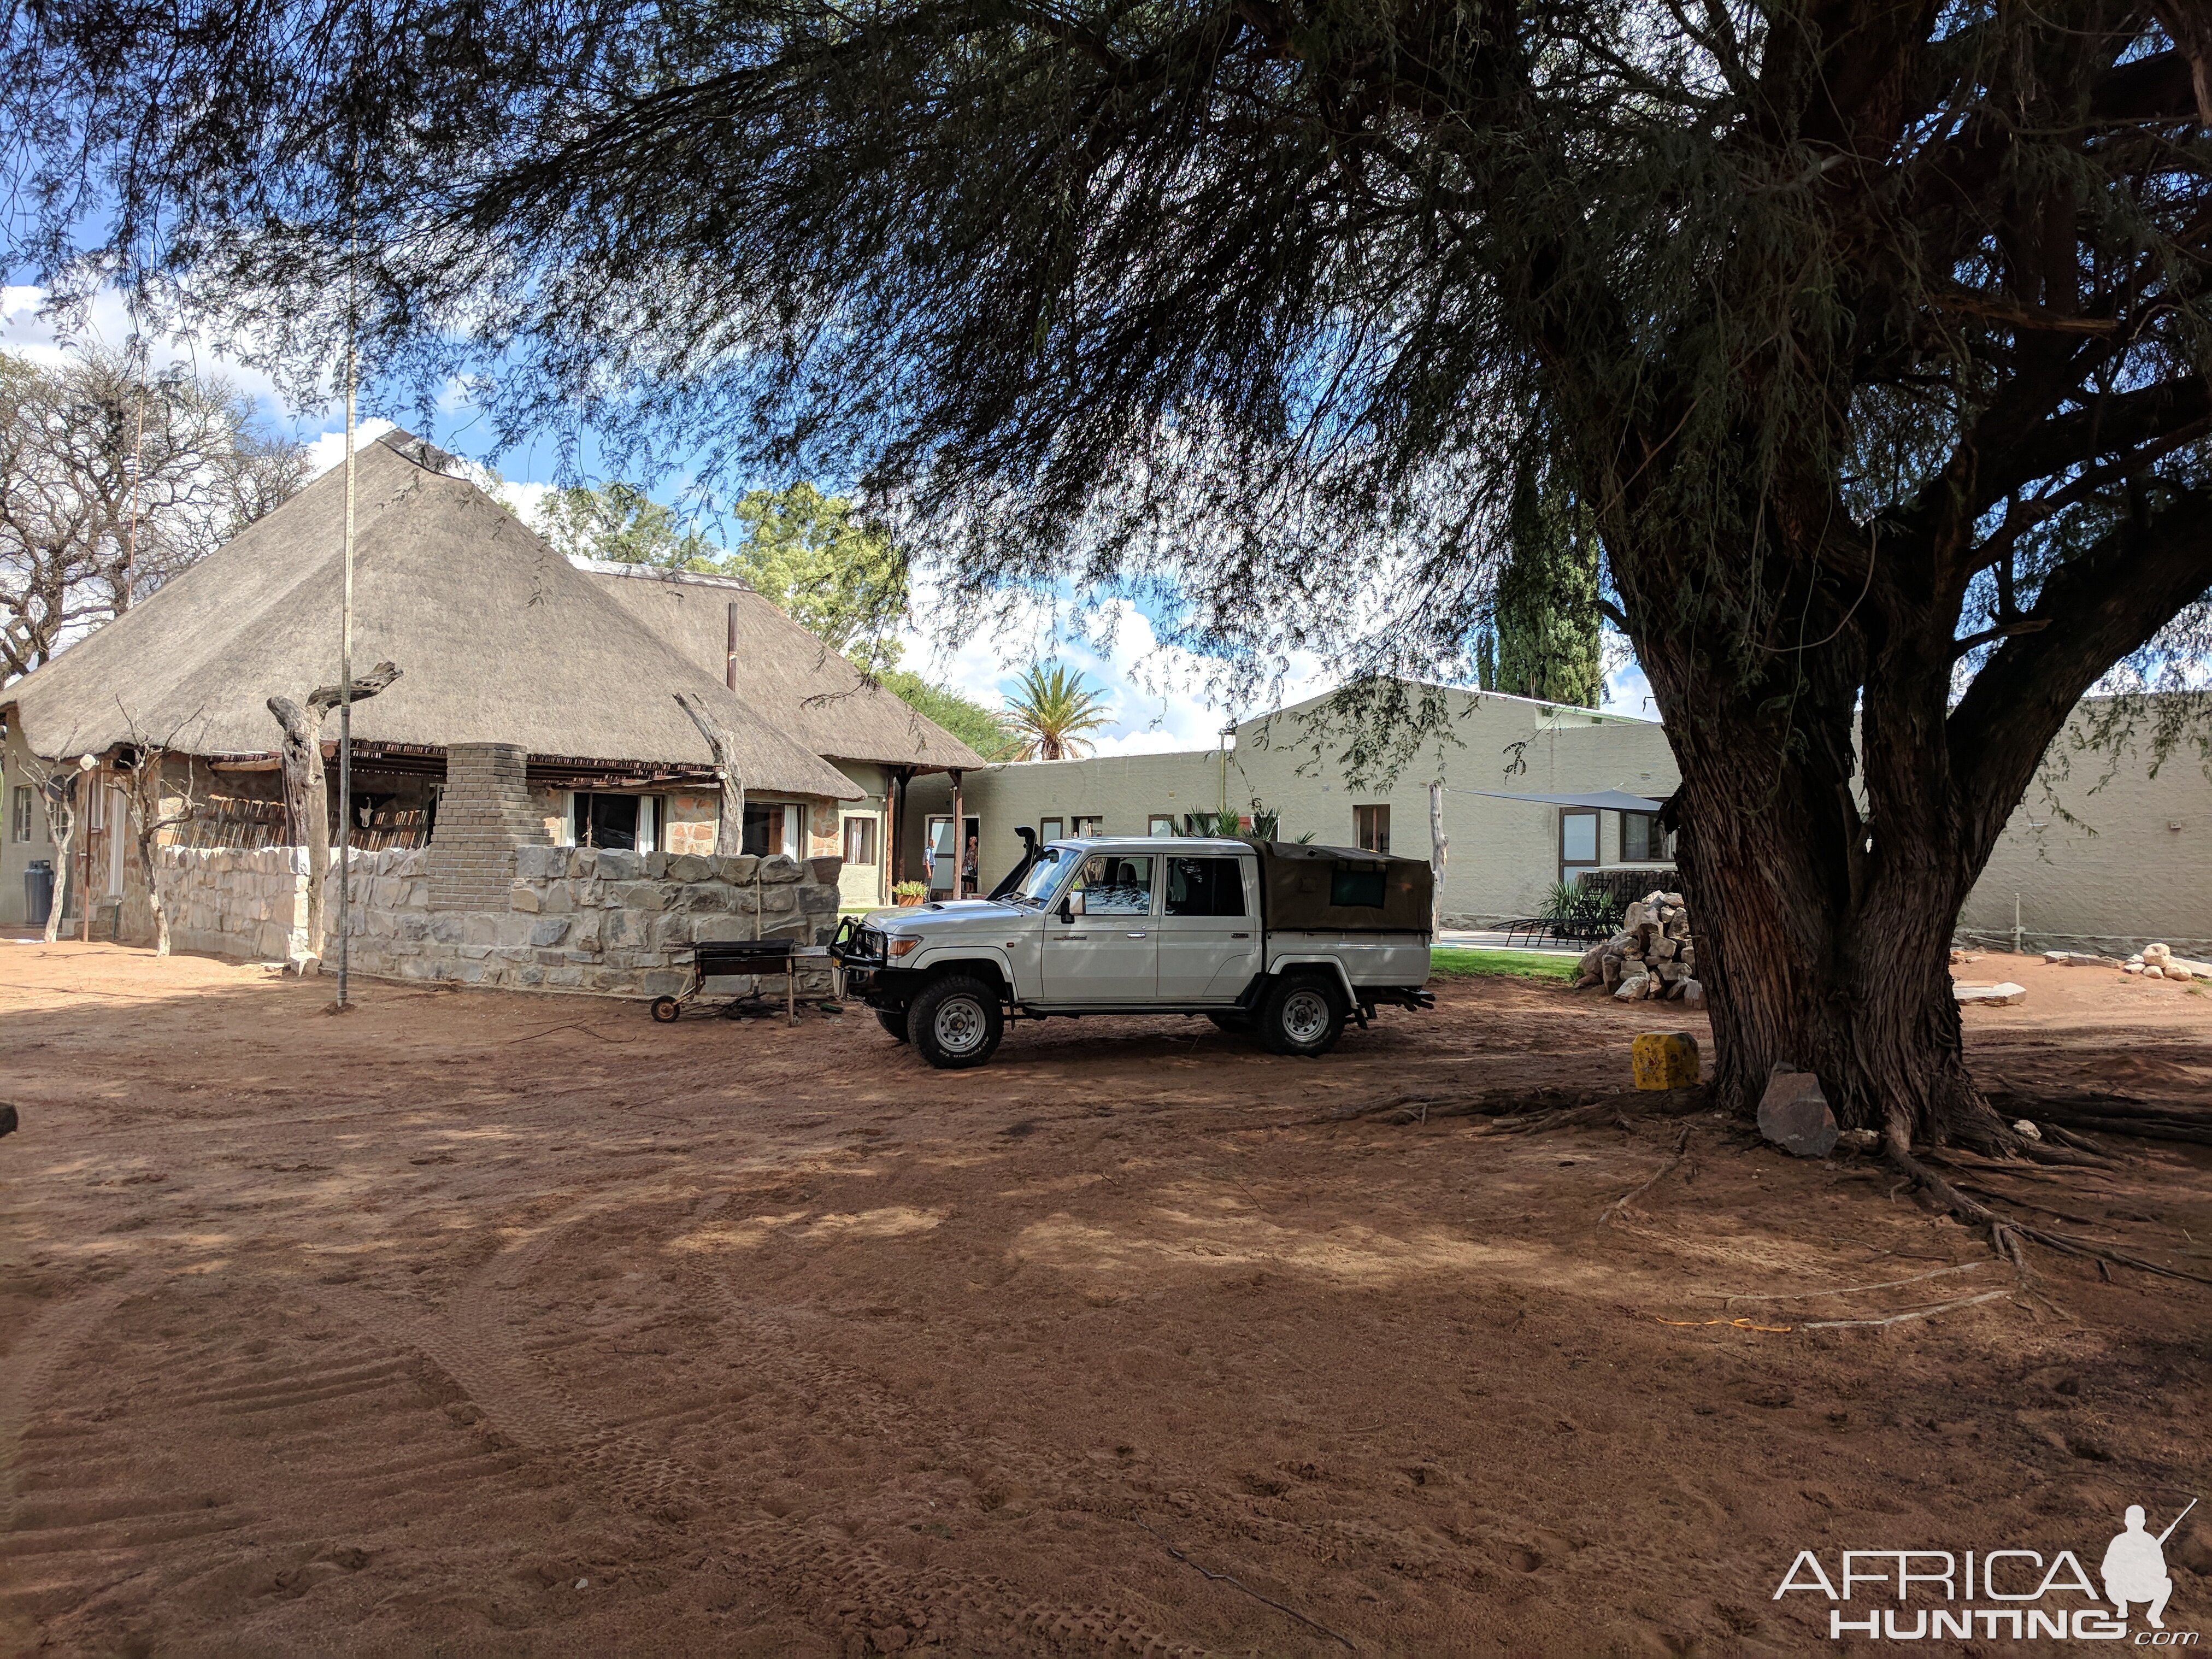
325,698
2092,610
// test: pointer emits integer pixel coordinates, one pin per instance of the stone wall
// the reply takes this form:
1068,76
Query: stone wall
571,918
235,901
584,918
483,816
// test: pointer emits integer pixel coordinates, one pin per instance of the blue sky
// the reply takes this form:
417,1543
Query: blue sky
1159,694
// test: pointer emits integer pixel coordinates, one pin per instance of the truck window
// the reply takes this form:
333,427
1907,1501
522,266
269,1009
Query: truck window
1206,887
1352,886
1116,884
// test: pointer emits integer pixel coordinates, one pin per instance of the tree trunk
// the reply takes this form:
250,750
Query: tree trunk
154,898
722,748
61,830
306,790
1826,844
306,800
1439,844
1799,970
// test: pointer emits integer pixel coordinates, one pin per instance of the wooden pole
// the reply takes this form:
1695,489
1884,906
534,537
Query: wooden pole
345,690
959,834
894,804
84,879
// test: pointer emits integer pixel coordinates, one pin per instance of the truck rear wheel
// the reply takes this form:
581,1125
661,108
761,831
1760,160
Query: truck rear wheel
955,1022
892,1020
1302,1015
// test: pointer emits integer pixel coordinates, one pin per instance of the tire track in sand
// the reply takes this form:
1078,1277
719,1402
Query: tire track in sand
844,1583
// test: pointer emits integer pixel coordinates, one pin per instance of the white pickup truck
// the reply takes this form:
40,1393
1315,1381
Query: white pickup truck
1284,940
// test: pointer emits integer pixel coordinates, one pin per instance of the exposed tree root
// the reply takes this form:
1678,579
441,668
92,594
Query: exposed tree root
1682,1149
2125,1114
2006,1232
1521,1111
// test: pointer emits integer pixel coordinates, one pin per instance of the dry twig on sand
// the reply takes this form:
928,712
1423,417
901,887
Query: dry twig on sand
1224,1579
1910,1313
1681,1146
1842,1290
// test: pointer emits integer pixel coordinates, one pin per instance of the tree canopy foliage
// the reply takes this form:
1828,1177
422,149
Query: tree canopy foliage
1873,334
623,525
983,730
837,576
114,479
810,555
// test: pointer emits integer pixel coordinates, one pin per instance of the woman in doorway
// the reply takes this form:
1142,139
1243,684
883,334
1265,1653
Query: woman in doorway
969,886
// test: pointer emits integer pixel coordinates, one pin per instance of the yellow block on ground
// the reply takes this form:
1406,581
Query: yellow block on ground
1665,1060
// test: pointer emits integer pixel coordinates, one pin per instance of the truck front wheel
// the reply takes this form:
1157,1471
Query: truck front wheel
955,1022
1302,1015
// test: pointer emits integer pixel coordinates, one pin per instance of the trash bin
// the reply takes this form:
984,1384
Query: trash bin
38,892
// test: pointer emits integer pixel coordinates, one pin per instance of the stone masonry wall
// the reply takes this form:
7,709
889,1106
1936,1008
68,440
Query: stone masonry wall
584,919
485,814
235,901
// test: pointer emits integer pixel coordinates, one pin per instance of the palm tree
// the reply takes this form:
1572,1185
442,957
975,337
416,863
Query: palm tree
1052,710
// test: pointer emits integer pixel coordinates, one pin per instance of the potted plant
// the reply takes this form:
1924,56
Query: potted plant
910,892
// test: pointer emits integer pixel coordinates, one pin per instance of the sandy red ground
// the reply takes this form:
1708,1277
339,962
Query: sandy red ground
473,1323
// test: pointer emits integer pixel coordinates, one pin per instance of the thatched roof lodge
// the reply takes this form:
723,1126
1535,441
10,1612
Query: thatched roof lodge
500,640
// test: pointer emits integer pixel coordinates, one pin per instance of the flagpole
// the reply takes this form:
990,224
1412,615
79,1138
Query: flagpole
345,683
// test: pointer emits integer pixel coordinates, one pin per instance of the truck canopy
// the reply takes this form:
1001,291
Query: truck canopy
1314,889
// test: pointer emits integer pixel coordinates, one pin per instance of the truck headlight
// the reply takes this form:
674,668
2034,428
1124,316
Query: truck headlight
899,947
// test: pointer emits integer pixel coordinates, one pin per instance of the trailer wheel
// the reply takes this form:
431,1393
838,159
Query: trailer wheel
955,1022
1302,1015
892,1020
665,1009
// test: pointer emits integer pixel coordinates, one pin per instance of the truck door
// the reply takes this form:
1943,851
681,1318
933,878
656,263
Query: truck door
1108,953
1209,935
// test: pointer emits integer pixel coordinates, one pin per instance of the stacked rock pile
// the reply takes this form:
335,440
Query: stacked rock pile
2157,961
2152,962
1652,958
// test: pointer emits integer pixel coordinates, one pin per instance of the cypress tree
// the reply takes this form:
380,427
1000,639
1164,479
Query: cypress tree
1547,616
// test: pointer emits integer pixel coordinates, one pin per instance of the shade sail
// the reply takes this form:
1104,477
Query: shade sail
1603,801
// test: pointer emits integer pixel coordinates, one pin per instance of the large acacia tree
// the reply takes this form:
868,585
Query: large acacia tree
1873,334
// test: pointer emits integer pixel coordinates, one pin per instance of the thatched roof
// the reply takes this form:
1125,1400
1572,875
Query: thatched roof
498,638
800,683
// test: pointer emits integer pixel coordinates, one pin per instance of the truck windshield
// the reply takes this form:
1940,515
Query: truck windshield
1044,876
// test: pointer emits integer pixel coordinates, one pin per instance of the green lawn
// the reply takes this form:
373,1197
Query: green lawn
1452,963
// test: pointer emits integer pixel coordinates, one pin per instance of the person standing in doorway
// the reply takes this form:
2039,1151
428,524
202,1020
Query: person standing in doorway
969,886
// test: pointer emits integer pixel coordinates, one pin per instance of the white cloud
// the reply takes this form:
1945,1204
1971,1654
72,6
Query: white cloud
28,329
1627,692
327,450
525,501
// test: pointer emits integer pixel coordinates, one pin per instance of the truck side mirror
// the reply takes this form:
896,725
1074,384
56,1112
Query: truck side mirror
1070,907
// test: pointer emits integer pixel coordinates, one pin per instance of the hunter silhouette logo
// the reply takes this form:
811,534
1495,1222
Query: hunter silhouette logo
2025,1597
2134,1566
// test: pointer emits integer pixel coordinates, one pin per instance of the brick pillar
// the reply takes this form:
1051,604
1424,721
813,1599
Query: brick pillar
483,816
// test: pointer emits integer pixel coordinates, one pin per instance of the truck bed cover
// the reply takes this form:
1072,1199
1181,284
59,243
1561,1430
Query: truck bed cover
1316,889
